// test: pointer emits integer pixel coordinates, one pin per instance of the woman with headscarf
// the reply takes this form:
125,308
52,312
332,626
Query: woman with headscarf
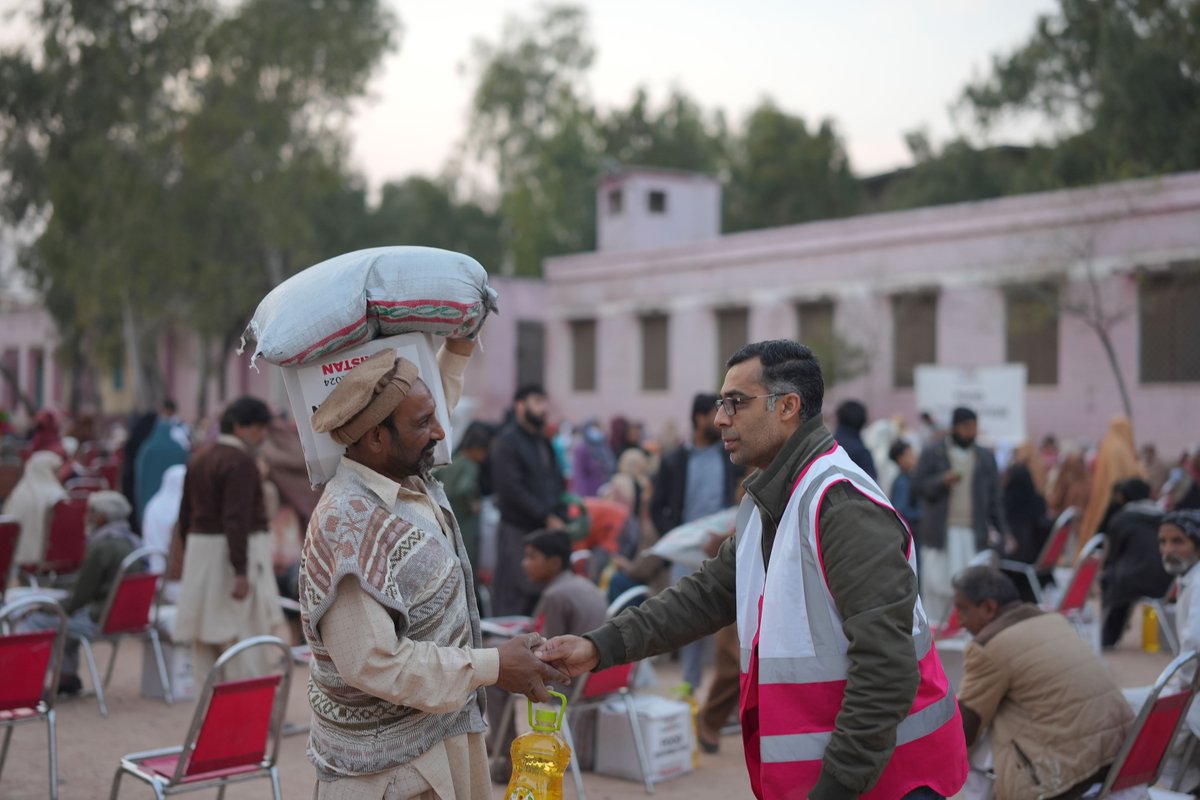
30,502
1071,486
1116,461
161,514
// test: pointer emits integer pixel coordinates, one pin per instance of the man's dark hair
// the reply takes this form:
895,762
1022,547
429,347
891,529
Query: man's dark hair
168,406
982,582
852,414
527,391
476,436
245,411
898,449
704,404
962,414
787,366
551,544
1132,490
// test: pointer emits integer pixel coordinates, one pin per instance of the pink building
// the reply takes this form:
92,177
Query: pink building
639,326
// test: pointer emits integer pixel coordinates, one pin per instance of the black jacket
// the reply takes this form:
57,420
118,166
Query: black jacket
528,485
666,505
986,506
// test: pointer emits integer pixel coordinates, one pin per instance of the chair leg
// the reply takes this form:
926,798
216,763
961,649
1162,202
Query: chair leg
116,784
8,732
112,661
221,792
576,773
96,684
52,734
638,744
1034,584
276,792
163,677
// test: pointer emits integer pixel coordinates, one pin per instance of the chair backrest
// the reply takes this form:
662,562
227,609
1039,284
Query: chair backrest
1087,568
1056,542
1140,760
25,658
110,470
630,597
238,723
66,538
607,681
131,597
10,532
949,627
30,662
236,727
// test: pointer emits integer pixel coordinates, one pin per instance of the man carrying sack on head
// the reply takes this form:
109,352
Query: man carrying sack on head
389,604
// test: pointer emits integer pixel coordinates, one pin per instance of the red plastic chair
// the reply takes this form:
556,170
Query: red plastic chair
234,736
1141,758
66,541
110,470
30,663
127,614
1083,576
1052,551
607,522
10,532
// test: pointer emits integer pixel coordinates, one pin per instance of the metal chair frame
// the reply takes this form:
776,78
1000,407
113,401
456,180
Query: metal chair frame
10,534
1056,544
132,763
1090,557
44,710
150,631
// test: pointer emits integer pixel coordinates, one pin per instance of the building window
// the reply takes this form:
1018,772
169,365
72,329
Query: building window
814,323
658,202
1170,325
1031,331
914,334
531,353
654,352
583,355
733,331
616,202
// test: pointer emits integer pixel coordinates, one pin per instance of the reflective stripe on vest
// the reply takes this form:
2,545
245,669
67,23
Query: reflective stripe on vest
794,655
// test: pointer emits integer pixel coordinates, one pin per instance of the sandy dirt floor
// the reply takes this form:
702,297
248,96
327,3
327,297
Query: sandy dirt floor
90,746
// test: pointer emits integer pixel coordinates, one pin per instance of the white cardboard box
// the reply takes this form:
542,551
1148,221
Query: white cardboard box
666,731
309,385
178,658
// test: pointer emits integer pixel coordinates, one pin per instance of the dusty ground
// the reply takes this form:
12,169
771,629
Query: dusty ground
90,746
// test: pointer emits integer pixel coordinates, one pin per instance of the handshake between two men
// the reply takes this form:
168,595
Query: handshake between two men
529,661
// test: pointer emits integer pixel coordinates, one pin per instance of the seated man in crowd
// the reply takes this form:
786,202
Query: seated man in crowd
569,604
1133,568
1179,544
1056,716
109,540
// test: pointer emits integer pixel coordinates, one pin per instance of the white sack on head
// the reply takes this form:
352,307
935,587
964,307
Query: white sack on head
353,298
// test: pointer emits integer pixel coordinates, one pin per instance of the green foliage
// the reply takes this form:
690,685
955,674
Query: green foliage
783,173
420,211
1124,75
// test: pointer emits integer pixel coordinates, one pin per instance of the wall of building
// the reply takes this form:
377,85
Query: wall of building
691,212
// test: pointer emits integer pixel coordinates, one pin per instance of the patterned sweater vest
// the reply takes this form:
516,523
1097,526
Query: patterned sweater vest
405,562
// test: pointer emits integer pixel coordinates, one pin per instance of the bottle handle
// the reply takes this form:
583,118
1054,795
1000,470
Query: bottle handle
558,718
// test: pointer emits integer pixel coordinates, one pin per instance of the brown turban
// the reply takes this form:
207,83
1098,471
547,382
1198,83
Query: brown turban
366,396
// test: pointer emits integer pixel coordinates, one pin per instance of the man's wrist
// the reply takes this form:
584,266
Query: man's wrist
609,644
828,788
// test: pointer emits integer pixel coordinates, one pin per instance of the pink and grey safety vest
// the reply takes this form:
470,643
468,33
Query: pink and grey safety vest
794,663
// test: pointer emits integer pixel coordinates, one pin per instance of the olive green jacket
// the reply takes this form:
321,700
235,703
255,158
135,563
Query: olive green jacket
863,549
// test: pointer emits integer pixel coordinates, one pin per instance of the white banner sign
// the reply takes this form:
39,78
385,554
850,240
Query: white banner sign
996,394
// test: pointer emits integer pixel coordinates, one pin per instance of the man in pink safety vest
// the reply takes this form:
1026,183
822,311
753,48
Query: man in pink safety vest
842,694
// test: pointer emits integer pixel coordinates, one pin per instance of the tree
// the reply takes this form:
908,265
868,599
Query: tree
782,173
1119,78
175,150
532,124
680,135
425,212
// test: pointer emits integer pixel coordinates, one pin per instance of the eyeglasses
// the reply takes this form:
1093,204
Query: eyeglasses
731,404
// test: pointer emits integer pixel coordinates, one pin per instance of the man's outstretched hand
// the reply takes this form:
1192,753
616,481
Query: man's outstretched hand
523,672
573,655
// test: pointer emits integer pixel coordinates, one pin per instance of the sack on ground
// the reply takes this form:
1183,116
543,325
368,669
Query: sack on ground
353,298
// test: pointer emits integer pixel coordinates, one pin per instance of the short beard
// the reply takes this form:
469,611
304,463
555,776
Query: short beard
1175,566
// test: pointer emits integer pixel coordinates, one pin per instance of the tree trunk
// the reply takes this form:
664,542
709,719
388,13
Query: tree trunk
22,398
141,349
1106,342
205,375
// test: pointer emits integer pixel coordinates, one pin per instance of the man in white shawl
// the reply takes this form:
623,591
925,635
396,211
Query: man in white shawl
158,522
30,502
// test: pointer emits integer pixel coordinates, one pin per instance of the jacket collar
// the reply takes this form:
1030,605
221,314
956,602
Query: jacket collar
1009,616
771,488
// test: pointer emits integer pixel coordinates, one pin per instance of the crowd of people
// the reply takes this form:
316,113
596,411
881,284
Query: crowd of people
229,508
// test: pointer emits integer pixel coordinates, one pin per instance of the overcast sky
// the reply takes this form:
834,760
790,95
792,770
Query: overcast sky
879,68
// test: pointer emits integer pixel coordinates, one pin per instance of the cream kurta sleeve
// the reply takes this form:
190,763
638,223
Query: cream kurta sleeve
452,366
361,639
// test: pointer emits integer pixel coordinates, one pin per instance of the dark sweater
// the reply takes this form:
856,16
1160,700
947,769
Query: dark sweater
863,550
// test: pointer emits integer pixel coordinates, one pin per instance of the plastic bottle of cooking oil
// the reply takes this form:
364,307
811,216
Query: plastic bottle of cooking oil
1149,629
540,757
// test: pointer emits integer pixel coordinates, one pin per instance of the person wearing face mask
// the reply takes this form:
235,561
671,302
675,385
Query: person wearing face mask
591,461
109,540
961,508
227,591
528,489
